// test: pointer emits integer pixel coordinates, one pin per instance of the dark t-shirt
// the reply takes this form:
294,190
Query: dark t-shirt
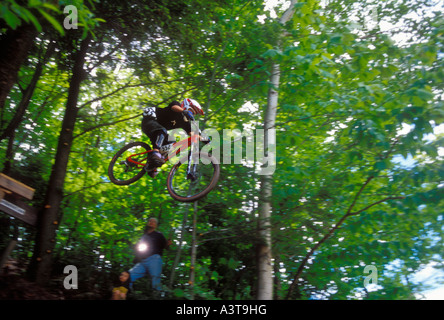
155,242
168,118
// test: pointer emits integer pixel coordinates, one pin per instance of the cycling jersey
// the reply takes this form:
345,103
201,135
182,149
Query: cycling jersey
168,118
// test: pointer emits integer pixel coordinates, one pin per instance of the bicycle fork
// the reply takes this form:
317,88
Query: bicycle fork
191,168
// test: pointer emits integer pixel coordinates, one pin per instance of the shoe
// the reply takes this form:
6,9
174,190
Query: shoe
153,173
155,160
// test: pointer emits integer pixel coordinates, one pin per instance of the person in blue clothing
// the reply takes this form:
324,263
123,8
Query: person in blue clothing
148,252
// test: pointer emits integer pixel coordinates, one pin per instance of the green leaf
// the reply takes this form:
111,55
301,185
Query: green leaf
326,74
52,21
179,293
271,53
33,19
355,154
380,165
50,7
214,276
34,3
336,39
425,94
232,264
11,19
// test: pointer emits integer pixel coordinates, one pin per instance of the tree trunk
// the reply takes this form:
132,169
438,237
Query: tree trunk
265,280
14,48
179,249
40,267
6,253
193,252
263,250
27,94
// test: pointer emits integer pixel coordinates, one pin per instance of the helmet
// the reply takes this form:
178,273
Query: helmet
188,104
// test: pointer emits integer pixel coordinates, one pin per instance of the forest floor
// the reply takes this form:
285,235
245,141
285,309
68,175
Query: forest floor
15,286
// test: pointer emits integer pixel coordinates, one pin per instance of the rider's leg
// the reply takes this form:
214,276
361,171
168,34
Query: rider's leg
158,138
158,135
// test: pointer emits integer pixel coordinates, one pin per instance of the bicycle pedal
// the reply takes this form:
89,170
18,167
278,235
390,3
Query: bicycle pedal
192,177
149,169
153,173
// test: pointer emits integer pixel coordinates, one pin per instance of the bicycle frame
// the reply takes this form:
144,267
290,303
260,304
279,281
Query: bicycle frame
177,147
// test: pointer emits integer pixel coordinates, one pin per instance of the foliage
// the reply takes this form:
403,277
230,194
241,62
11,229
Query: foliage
357,144
40,13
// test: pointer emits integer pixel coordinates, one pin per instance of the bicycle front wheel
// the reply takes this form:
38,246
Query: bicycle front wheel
127,165
204,177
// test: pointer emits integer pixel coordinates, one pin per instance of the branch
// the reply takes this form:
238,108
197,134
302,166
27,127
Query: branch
127,85
104,58
221,238
334,228
374,204
213,75
132,117
230,100
358,194
83,189
105,125
310,253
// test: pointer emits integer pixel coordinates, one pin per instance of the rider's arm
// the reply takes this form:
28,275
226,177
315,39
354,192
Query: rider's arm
176,108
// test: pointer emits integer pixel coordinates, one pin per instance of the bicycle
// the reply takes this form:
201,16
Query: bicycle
184,183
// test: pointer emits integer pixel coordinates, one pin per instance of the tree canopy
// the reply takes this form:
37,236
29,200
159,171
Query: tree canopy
359,159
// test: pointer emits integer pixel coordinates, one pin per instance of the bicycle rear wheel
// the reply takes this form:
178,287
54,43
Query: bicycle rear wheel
205,176
122,170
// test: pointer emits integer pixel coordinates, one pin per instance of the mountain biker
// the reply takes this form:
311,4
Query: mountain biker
156,122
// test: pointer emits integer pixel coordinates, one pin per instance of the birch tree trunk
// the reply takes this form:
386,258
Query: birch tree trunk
263,250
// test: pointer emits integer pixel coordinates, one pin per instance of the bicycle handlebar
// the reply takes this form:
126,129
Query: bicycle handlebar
204,139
